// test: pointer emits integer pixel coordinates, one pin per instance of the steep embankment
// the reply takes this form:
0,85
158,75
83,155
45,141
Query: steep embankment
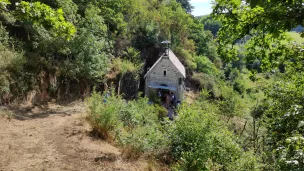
56,137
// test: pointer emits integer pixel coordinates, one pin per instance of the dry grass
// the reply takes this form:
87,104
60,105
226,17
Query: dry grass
191,96
57,138
153,165
131,153
6,113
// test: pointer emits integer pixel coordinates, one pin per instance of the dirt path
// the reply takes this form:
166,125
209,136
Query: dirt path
56,138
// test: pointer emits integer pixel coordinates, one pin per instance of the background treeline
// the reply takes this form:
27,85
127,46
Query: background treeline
65,47
245,110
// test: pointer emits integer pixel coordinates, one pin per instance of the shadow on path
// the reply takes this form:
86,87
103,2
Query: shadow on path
27,113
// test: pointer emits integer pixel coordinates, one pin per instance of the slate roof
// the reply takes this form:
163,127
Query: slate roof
176,62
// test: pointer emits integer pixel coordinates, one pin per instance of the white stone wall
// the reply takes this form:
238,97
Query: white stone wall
157,77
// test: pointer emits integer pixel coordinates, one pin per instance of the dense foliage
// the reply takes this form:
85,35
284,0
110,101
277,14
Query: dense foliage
245,107
265,23
211,24
73,44
134,125
197,140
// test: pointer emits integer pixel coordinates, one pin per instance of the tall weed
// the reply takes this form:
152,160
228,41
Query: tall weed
104,114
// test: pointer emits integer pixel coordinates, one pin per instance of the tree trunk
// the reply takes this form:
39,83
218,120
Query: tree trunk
254,134
244,127
119,84
257,137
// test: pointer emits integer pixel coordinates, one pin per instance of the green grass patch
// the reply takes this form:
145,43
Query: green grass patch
7,113
293,37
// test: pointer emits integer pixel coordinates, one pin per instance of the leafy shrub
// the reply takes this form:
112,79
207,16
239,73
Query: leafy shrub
207,82
204,95
133,55
11,74
137,113
290,155
148,139
201,141
268,76
239,86
245,71
162,112
253,77
256,65
4,37
199,138
42,14
134,124
234,74
104,113
248,161
231,104
205,65
218,63
153,97
144,132
227,70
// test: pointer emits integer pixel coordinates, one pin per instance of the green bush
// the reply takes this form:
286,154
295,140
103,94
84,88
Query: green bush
197,139
239,86
200,141
234,74
248,161
153,97
218,63
205,65
231,104
104,113
267,76
142,129
284,116
11,74
134,124
148,139
162,112
227,70
207,82
204,95
137,113
290,154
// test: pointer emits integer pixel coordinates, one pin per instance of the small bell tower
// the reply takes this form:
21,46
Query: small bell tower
166,48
